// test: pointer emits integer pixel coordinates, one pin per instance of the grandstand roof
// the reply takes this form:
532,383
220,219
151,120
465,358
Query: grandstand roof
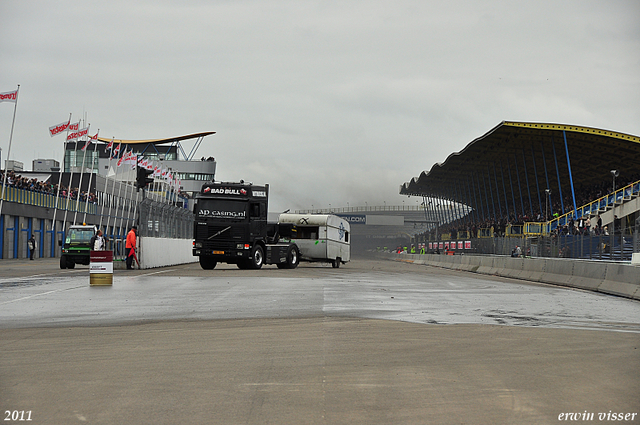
519,151
157,141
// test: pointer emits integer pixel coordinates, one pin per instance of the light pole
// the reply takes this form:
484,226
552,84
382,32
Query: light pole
546,208
614,174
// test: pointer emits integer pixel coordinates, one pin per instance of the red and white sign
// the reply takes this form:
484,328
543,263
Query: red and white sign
467,244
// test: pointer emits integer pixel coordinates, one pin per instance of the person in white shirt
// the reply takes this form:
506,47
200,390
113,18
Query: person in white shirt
98,244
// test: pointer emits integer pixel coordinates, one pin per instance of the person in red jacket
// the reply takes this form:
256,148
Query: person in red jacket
130,246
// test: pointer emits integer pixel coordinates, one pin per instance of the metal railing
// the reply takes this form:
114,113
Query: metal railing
599,206
46,200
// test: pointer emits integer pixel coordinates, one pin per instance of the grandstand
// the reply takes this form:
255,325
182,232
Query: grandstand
549,185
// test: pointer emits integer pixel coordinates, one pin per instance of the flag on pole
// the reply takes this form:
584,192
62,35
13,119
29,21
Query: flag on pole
75,126
76,135
132,160
89,141
59,128
109,146
116,151
9,96
122,158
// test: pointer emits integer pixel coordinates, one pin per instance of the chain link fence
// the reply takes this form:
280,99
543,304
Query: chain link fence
161,220
619,247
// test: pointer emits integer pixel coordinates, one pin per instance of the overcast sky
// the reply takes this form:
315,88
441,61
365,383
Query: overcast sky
331,102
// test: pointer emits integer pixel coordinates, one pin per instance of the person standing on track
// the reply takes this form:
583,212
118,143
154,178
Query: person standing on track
130,246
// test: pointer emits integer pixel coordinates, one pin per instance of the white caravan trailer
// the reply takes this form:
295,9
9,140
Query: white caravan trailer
321,237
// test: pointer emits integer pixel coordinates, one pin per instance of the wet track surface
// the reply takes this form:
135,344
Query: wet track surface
44,296
374,342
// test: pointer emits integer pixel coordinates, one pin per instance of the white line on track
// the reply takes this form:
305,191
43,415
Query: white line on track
40,294
35,276
158,272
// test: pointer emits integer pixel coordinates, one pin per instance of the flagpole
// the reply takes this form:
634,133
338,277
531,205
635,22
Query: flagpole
126,191
86,206
113,209
55,209
154,184
70,188
84,158
13,121
106,183
115,218
135,208
128,159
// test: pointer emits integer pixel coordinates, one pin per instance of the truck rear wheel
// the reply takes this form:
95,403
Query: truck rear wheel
293,259
257,257
207,263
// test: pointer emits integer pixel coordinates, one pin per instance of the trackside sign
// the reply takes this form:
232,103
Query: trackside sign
354,218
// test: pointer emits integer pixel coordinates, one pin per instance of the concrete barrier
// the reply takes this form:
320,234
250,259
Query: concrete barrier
557,271
533,270
620,279
468,264
486,265
588,275
512,267
161,252
499,263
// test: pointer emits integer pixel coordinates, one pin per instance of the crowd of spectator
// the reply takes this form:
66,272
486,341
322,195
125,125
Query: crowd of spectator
35,185
470,226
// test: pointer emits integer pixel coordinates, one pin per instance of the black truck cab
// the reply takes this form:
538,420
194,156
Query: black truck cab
231,226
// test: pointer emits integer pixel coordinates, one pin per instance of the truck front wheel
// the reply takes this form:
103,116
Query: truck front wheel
257,257
207,263
63,262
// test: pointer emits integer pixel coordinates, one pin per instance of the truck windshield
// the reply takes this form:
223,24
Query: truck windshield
222,209
80,235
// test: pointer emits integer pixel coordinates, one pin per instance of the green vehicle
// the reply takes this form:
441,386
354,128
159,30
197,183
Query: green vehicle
77,246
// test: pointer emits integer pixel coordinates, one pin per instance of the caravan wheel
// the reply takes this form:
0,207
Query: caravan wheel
336,263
